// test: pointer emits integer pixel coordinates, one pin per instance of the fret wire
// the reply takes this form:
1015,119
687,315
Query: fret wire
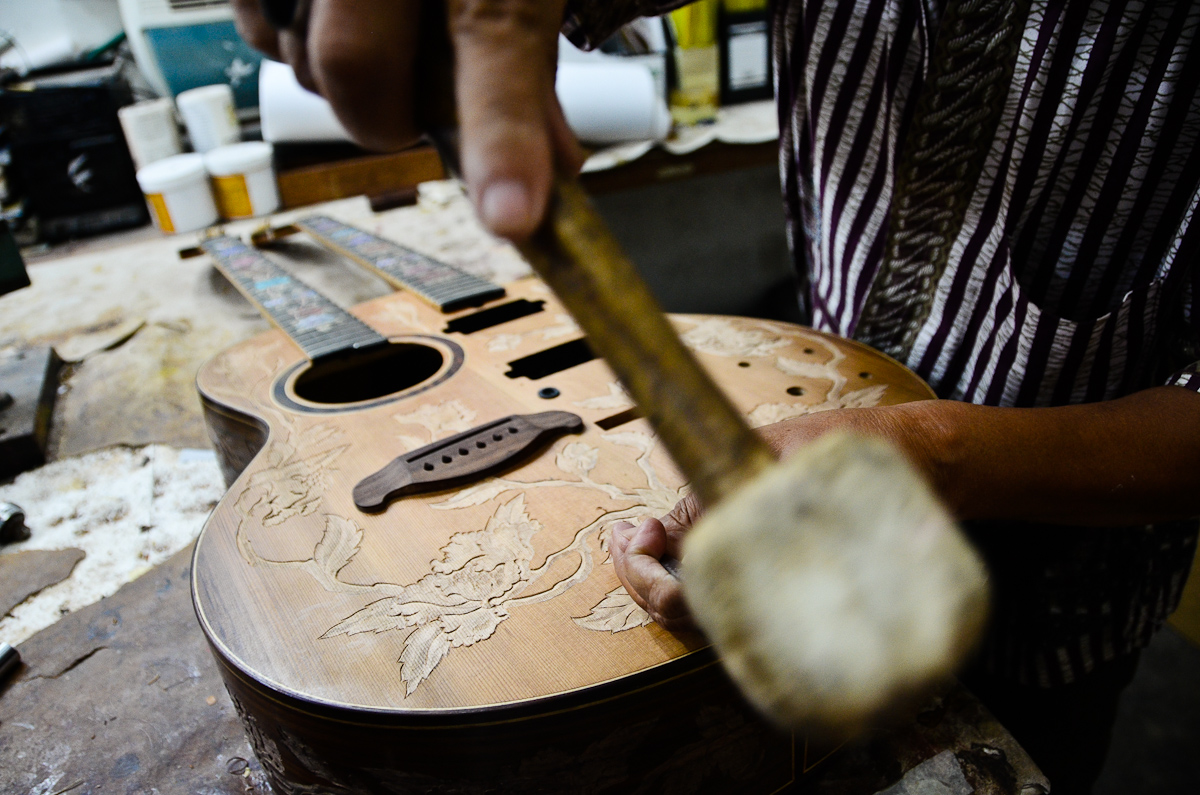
437,282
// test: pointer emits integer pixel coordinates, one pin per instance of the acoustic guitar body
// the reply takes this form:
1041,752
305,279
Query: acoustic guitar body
474,638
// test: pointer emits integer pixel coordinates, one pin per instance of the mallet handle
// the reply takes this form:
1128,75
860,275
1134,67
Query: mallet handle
576,254
582,262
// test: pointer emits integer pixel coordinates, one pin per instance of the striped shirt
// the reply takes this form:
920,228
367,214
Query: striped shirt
1052,260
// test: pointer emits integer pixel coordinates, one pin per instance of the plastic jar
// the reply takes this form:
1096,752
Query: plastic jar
208,114
243,179
179,194
150,130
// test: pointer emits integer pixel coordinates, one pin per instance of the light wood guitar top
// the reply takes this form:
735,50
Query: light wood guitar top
497,592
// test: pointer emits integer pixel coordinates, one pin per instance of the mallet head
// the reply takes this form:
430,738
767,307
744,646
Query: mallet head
835,587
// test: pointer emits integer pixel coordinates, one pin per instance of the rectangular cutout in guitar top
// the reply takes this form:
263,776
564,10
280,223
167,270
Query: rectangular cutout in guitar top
551,361
487,318
619,419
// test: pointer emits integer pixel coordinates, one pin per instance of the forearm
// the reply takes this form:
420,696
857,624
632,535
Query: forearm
1127,461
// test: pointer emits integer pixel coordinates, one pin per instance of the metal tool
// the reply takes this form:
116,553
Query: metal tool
12,523
10,660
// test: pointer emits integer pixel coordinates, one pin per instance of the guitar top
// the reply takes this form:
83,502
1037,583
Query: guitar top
496,592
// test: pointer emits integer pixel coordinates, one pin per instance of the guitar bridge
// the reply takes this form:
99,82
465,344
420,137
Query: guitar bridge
462,457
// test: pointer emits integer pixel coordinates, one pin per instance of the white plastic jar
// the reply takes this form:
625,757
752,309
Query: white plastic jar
208,115
243,179
179,194
150,130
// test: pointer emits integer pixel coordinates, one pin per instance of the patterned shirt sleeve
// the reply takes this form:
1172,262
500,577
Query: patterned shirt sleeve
1188,377
1186,336
587,23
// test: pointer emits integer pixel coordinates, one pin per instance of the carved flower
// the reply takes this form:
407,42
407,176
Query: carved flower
577,458
462,601
721,337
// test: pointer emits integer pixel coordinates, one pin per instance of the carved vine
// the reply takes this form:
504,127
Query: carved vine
481,575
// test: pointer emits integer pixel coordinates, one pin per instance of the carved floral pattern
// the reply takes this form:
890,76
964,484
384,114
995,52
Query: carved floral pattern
563,326
836,398
290,484
438,420
617,398
482,575
722,337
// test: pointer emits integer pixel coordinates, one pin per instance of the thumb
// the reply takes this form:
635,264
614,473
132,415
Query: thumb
505,59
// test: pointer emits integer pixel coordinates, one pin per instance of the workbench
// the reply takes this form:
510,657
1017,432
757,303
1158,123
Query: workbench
122,695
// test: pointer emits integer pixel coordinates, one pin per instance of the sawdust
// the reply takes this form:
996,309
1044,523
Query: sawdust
129,509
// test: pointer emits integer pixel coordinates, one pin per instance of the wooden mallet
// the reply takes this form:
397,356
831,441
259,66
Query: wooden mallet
834,585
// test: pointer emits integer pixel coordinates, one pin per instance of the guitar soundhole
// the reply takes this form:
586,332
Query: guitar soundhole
369,374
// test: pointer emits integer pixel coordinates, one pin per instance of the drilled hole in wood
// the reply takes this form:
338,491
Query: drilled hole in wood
864,375
808,350
795,391
743,364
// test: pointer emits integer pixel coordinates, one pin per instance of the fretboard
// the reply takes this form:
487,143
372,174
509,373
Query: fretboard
445,286
316,324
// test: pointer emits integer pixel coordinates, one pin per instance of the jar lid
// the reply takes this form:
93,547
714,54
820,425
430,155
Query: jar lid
203,94
238,158
171,172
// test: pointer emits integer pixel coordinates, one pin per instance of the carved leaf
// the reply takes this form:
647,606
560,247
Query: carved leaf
378,616
616,398
476,495
337,545
440,419
577,458
616,612
827,371
862,398
470,628
566,325
768,413
722,337
634,439
503,342
658,502
423,650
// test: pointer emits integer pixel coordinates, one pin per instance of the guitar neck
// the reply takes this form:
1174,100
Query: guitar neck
444,286
320,327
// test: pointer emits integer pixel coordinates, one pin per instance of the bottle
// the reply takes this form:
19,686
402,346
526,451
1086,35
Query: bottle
694,96
745,51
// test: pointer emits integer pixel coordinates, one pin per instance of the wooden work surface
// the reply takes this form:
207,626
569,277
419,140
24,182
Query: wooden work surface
123,696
